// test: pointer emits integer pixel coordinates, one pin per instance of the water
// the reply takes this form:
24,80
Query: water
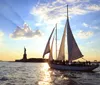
14,73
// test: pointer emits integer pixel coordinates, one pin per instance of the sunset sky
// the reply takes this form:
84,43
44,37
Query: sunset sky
29,23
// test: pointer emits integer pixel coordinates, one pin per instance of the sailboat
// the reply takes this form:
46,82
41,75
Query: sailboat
74,52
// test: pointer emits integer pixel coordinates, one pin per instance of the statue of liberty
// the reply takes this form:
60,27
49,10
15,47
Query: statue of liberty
24,55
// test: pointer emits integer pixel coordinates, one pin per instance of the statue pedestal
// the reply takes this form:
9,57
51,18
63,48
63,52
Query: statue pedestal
24,56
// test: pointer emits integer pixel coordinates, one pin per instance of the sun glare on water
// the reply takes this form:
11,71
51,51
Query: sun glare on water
45,66
46,77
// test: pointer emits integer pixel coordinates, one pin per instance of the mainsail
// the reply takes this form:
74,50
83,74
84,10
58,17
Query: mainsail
73,49
47,49
51,50
61,55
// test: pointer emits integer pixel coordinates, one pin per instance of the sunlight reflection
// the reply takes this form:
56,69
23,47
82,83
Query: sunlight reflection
51,76
45,66
46,78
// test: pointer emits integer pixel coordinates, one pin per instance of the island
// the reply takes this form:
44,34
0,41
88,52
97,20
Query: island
24,59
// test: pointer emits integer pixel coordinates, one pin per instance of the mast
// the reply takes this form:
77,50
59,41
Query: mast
67,12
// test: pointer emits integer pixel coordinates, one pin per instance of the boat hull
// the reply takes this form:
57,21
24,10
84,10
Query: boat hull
73,68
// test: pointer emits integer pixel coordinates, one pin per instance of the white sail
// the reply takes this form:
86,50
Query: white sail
73,49
61,55
51,50
47,49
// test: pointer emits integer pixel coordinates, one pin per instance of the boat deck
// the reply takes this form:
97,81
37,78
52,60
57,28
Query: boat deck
74,63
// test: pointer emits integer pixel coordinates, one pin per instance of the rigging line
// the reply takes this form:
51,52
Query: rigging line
14,11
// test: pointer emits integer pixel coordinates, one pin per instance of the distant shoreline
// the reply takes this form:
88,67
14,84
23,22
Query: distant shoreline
32,60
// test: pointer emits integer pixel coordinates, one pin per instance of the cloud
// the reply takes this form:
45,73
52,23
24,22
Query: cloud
90,26
25,32
85,25
93,7
55,11
69,1
78,10
47,14
84,35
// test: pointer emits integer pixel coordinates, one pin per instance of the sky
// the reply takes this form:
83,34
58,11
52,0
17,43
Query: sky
29,23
